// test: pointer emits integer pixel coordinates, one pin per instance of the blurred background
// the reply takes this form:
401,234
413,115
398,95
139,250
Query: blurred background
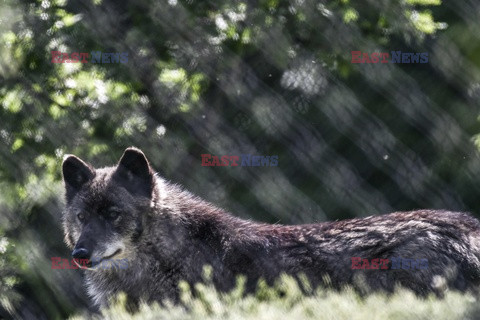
268,77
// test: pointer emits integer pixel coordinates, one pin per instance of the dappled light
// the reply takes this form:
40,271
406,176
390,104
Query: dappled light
179,79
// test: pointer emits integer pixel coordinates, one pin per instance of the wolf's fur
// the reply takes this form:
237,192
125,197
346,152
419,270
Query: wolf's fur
167,234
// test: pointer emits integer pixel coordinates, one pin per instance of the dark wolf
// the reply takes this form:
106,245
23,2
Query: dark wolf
168,235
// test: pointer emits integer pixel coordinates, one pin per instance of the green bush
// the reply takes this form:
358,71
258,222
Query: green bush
286,301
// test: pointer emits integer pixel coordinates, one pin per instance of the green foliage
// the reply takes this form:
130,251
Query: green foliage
285,301
9,298
272,77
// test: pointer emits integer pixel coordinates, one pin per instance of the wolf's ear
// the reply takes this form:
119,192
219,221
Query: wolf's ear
75,174
134,173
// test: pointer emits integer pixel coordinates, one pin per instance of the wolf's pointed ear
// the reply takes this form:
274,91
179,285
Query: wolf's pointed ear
75,174
134,173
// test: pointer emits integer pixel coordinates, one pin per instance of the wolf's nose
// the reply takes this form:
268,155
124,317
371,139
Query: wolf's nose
80,253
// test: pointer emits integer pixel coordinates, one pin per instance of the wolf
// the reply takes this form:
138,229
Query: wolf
167,235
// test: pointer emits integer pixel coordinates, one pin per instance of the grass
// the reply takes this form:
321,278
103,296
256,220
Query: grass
286,301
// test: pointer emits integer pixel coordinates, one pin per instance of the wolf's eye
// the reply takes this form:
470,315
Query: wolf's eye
112,214
81,216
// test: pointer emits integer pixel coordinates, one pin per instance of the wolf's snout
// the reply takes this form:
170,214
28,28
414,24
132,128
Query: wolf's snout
81,253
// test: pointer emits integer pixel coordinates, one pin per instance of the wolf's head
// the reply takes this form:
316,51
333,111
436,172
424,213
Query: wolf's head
106,208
